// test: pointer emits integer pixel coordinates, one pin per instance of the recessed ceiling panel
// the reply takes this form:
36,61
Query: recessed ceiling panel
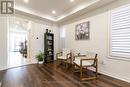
45,7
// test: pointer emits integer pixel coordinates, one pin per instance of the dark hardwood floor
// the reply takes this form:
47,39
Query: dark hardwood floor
50,76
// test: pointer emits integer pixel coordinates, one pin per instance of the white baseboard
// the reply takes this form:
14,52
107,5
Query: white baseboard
116,77
0,84
3,68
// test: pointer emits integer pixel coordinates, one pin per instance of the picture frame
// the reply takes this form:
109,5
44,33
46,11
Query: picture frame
82,31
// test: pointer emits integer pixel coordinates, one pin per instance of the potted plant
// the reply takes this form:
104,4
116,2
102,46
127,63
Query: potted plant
40,57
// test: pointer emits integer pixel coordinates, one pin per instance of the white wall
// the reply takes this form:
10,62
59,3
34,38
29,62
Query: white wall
36,45
99,40
3,43
37,29
56,38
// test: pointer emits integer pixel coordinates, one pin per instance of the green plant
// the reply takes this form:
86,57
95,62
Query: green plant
40,56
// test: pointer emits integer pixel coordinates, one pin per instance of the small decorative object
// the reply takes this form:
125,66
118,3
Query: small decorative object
49,31
82,31
23,48
40,57
46,30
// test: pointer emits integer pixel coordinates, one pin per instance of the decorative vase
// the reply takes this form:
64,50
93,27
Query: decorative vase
46,30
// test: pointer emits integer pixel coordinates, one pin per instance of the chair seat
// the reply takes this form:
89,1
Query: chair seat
84,63
61,57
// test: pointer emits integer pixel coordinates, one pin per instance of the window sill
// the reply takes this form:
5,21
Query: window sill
119,58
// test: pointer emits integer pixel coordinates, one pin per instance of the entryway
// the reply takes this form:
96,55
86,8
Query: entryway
17,43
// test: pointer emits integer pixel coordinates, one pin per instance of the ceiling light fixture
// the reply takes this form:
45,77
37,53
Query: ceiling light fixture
25,1
53,12
72,0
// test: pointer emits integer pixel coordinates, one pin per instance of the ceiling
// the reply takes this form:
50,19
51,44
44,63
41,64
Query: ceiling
63,8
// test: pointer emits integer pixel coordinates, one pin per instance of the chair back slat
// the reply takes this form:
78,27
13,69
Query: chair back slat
92,55
95,59
65,52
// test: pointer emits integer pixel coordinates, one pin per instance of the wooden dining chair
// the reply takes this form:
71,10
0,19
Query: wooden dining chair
64,57
85,61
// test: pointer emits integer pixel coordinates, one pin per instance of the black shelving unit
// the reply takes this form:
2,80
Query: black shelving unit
49,47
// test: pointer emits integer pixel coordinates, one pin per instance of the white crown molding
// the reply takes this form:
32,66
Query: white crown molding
78,8
66,16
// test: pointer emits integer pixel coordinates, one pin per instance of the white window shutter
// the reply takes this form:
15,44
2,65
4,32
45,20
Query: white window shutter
120,32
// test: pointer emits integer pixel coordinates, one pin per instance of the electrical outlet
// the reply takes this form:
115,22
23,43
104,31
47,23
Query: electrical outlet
103,62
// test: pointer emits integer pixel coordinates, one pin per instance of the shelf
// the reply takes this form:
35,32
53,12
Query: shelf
49,50
49,55
49,47
50,44
49,61
49,40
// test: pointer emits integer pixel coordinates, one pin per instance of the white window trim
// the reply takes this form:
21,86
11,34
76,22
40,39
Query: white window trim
110,36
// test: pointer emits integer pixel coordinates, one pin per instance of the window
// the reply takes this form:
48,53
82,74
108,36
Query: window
120,32
62,38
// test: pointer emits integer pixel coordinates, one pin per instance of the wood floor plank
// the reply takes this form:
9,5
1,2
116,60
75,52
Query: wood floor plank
48,75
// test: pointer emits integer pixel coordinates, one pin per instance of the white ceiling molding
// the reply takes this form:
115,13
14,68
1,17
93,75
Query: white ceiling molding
78,8
75,11
86,10
26,10
28,15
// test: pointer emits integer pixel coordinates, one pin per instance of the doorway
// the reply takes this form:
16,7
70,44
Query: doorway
18,43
